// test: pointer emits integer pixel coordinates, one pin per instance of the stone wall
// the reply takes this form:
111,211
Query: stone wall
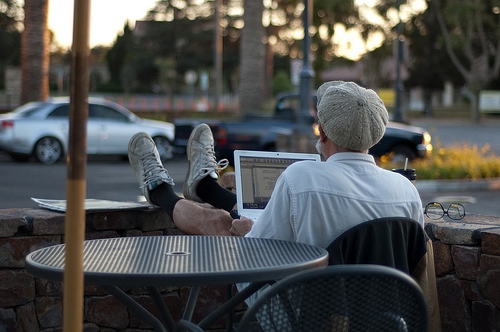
467,257
467,260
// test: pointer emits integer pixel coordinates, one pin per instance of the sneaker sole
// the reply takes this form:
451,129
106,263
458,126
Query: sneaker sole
195,133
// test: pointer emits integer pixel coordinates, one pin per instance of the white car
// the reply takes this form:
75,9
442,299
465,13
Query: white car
41,129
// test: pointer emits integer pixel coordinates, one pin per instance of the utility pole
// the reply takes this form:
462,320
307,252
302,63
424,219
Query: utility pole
398,107
218,55
306,73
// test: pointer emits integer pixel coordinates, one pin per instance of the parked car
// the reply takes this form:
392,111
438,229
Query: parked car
401,141
40,129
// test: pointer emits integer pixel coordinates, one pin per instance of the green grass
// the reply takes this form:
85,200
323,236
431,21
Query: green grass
455,162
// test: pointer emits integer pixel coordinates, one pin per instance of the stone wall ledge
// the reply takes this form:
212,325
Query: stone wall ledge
467,231
37,221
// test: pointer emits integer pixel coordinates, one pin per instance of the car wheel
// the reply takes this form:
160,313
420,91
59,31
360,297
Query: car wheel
164,147
399,153
48,150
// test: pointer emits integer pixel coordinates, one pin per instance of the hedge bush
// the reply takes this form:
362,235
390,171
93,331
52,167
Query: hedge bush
455,162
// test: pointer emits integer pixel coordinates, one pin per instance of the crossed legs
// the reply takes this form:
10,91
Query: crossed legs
201,186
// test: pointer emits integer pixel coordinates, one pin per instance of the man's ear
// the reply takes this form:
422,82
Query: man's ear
322,135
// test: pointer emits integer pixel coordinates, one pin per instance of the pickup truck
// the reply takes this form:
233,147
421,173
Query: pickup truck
400,141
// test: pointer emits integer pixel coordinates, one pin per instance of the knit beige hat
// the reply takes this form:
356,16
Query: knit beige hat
351,116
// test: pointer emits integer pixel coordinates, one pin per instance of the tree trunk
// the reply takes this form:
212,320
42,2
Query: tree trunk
35,57
474,106
428,102
252,58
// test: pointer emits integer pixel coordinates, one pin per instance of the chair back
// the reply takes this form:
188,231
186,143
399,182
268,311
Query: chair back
340,298
396,242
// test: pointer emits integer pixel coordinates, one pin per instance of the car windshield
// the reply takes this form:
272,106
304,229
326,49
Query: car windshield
27,110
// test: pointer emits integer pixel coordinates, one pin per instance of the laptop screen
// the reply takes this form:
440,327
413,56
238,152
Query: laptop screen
257,172
258,178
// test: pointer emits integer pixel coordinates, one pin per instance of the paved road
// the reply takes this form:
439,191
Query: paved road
111,178
108,178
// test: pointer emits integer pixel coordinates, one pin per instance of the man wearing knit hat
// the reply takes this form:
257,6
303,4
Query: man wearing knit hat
316,202
312,202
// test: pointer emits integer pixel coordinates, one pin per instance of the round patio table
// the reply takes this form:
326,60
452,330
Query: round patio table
180,260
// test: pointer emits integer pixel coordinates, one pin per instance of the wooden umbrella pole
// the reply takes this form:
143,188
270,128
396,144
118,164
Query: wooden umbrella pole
77,167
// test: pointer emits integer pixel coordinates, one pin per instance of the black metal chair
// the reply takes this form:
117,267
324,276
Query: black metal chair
340,298
396,242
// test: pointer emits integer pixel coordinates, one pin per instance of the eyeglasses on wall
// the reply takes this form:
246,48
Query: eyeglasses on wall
435,210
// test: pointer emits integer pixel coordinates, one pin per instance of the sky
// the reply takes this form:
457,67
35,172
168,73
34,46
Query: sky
106,20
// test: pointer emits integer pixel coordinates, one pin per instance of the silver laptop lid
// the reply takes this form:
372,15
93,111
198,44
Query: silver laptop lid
256,173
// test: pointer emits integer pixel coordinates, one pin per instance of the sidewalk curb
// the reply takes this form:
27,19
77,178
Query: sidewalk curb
432,186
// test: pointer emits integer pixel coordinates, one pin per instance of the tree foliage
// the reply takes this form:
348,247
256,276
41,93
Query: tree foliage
430,66
176,37
285,31
11,17
182,31
119,54
471,33
10,35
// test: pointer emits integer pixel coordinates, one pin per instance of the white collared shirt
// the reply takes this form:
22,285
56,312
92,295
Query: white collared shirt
314,202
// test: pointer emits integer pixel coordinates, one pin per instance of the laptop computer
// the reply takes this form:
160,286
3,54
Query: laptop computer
256,173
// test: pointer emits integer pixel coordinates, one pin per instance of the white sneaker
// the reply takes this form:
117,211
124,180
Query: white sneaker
145,160
202,161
